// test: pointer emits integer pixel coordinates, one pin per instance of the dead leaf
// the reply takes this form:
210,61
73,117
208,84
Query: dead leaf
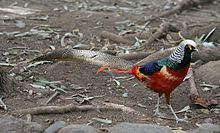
106,121
198,100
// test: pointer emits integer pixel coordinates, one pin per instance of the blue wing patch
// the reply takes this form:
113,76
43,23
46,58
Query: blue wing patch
150,68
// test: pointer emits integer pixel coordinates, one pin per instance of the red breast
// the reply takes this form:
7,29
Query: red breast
166,80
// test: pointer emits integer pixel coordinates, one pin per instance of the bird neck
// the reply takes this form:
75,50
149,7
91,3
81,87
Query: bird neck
180,57
184,62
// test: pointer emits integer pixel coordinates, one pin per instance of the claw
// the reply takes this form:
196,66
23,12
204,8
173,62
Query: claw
177,119
181,120
157,112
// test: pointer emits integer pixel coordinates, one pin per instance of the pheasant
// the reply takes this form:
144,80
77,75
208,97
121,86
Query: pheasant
161,76
164,75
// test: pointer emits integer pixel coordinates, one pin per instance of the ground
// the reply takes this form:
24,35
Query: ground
90,19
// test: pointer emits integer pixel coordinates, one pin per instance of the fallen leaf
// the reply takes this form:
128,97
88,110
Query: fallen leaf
106,121
198,100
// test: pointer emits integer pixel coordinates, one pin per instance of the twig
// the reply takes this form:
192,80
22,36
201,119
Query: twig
52,97
3,105
211,86
20,54
167,118
164,28
115,38
75,108
60,109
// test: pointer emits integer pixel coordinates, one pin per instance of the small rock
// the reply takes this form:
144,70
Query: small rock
14,125
78,129
138,128
206,128
53,128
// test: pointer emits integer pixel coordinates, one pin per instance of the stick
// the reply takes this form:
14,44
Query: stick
74,108
164,29
52,97
115,38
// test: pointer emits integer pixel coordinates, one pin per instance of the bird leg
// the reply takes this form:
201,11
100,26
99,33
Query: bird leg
177,119
156,111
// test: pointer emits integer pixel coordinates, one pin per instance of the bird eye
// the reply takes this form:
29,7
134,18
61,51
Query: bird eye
190,47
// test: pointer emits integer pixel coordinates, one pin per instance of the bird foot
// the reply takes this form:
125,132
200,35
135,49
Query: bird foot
180,120
158,113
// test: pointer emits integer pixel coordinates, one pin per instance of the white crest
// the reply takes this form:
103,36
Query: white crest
189,42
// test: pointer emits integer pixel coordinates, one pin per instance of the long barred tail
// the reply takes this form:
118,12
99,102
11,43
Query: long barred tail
92,57
64,54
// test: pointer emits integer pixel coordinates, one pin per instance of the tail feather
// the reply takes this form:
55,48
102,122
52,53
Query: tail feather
92,57
62,55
